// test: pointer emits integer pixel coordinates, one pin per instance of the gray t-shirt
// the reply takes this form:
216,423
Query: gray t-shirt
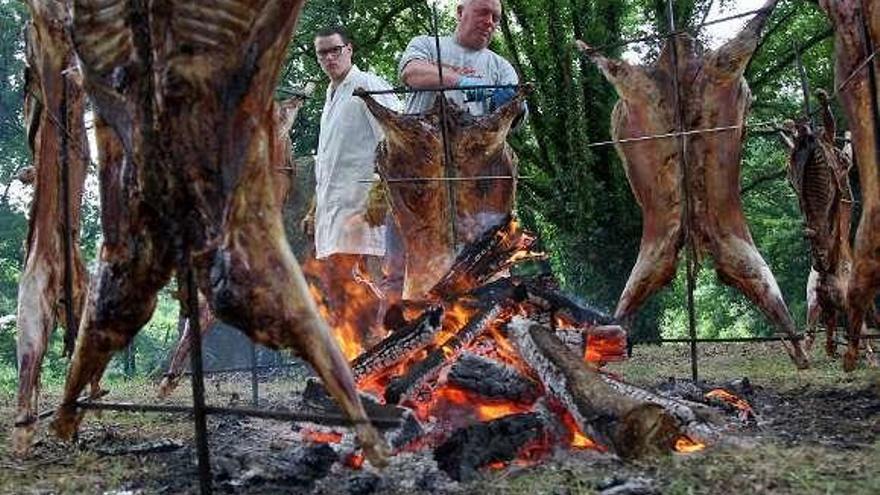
487,65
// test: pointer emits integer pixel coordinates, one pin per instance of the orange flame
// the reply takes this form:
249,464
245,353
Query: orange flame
686,445
729,398
577,438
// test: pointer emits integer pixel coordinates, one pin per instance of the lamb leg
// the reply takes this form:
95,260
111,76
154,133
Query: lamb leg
184,346
257,285
653,170
285,112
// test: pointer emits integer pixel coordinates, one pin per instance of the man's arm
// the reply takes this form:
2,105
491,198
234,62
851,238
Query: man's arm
423,74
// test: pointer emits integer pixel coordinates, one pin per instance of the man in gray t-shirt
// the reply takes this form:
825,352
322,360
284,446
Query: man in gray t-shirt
466,62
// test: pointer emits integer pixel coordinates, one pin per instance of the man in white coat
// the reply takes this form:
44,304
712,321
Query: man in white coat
345,162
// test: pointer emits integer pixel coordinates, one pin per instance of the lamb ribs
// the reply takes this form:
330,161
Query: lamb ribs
54,110
714,95
187,88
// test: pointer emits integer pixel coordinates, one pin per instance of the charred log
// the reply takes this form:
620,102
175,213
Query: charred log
621,418
315,397
492,380
562,305
475,446
402,387
484,258
400,344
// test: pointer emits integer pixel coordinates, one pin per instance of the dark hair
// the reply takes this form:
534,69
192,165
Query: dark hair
330,31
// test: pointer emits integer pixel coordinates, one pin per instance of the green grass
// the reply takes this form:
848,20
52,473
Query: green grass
767,466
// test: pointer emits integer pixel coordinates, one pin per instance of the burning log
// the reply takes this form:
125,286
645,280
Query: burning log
428,368
562,305
475,446
492,379
852,50
688,186
484,258
315,396
628,420
400,344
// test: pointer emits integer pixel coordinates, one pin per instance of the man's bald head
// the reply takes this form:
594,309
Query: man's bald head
477,20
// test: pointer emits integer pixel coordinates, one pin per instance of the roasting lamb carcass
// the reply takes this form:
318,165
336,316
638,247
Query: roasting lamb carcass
858,98
186,88
713,94
413,149
285,113
819,173
54,109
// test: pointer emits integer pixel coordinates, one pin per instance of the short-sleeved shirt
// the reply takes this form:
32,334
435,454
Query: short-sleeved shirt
344,163
488,65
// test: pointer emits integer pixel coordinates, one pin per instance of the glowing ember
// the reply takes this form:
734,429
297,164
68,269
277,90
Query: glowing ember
727,397
315,436
486,410
605,344
577,438
686,445
354,461
497,465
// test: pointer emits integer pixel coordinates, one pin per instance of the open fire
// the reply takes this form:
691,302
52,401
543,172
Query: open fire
463,373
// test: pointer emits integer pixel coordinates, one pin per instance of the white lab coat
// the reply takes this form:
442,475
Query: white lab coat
346,155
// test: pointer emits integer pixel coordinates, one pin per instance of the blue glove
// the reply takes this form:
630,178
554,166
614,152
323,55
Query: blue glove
478,94
501,96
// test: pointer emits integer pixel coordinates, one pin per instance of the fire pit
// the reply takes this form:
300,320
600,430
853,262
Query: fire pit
494,368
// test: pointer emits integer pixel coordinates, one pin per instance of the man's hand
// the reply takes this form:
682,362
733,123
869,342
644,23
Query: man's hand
307,225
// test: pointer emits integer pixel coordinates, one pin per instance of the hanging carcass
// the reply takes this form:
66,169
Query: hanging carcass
54,110
186,89
285,115
425,201
691,196
819,173
857,37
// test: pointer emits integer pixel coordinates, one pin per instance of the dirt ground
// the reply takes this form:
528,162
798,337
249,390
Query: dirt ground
818,431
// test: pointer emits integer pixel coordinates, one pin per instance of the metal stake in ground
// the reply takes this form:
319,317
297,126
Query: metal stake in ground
690,250
67,228
448,166
197,380
255,384
805,84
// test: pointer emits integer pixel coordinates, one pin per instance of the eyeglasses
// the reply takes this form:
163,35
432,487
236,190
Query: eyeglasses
333,51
